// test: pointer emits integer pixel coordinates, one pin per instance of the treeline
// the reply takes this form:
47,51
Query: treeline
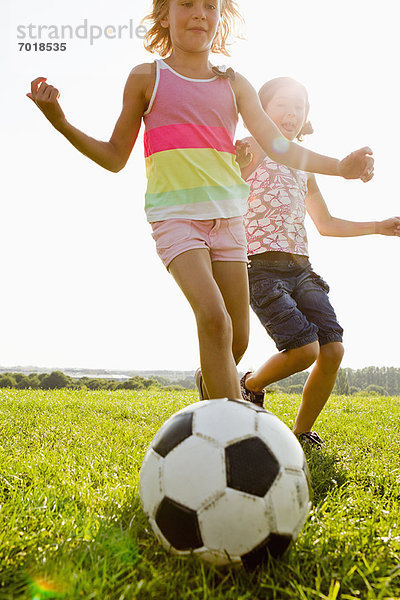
58,380
386,377
382,381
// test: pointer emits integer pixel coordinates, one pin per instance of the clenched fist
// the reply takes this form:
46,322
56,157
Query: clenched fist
46,98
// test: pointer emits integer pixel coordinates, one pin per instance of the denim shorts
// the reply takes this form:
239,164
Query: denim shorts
291,301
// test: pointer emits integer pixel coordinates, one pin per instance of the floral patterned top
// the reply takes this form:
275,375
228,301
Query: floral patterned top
276,209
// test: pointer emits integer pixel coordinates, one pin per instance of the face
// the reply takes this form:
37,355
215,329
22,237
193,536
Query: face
287,109
192,24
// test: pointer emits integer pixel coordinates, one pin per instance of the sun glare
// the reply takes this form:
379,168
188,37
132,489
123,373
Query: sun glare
45,589
280,145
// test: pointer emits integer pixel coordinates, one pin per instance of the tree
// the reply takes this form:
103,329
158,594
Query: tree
134,383
273,389
24,382
342,387
94,384
295,379
375,389
55,381
6,381
295,389
173,388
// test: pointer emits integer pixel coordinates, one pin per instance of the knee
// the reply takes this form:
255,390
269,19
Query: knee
304,356
332,355
216,324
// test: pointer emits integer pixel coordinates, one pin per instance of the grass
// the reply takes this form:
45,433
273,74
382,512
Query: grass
71,526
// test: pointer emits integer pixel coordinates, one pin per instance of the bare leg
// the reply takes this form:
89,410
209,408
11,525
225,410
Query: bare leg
232,280
193,273
281,365
319,386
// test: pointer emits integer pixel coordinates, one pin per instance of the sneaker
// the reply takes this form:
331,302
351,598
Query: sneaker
249,396
198,379
310,438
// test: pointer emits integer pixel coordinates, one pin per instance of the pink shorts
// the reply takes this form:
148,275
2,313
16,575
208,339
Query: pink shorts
224,238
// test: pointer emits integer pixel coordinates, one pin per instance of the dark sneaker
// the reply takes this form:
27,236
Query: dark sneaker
310,438
249,396
198,379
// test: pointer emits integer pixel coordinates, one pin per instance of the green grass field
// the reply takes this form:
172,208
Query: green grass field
71,525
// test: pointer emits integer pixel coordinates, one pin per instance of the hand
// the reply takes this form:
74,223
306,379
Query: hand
244,156
46,98
358,165
389,226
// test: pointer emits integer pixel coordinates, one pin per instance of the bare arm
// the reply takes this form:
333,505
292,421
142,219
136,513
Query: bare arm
331,226
356,165
111,155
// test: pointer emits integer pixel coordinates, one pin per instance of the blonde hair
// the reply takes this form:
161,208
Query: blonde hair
157,39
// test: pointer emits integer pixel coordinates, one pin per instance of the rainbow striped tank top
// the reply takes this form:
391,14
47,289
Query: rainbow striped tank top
189,149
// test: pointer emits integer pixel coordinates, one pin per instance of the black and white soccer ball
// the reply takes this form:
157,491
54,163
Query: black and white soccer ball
226,481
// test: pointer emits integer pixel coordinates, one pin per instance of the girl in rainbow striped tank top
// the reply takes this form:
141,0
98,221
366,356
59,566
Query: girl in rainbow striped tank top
195,197
189,148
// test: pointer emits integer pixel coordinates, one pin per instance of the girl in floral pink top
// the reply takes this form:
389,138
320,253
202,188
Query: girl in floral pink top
289,298
276,210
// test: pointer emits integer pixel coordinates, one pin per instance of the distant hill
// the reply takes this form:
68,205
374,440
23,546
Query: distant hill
98,373
379,380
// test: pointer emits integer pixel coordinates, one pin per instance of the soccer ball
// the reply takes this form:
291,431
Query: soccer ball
226,481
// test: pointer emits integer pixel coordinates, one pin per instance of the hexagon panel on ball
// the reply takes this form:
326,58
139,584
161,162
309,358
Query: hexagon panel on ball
225,421
281,440
290,502
234,524
150,482
194,472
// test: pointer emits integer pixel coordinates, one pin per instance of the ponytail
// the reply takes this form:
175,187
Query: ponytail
307,129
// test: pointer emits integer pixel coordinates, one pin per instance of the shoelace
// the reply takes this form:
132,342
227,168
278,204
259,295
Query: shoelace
316,437
312,437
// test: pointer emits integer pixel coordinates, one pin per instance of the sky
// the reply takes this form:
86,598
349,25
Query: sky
82,283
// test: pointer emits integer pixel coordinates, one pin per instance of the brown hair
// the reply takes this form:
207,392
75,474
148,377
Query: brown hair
158,40
268,90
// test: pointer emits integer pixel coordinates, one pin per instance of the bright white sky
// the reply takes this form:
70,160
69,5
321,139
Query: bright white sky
82,284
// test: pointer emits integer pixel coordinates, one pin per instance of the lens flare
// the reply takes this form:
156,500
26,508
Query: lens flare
45,589
280,144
